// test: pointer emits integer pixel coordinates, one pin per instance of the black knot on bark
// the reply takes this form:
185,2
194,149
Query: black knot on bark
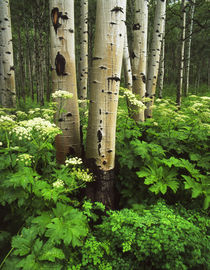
60,63
136,26
117,9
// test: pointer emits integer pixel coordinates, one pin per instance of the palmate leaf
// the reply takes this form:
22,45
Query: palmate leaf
29,262
173,184
42,221
68,226
23,178
24,242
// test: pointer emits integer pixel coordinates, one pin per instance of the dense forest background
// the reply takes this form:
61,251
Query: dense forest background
30,29
118,180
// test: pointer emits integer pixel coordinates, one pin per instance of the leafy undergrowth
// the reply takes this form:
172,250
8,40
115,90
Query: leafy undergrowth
162,168
168,154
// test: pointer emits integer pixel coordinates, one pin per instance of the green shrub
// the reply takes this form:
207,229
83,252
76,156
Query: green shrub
156,237
168,152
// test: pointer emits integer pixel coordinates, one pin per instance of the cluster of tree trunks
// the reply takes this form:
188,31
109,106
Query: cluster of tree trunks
35,60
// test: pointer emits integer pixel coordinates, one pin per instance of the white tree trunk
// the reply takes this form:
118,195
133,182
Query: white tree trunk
153,67
181,71
84,50
139,55
189,48
64,76
7,75
104,90
127,63
162,64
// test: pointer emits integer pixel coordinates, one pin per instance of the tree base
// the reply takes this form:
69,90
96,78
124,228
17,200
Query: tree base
102,189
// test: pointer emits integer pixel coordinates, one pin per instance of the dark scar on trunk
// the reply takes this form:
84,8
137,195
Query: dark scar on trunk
114,78
117,9
60,63
99,136
99,147
136,26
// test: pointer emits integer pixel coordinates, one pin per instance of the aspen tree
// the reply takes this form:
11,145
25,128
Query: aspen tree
127,63
181,70
64,77
104,90
189,48
7,74
162,64
139,54
83,50
153,66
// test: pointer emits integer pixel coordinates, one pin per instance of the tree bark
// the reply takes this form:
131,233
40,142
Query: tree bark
104,90
139,54
64,76
155,54
162,64
189,49
127,63
83,64
7,74
181,70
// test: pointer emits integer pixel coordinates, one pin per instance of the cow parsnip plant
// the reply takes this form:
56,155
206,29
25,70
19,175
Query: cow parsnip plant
38,195
168,152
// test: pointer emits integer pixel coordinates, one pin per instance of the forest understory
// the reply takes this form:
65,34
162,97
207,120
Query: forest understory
104,135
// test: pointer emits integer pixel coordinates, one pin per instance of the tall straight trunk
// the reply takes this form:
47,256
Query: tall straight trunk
7,75
181,70
21,65
153,67
139,54
83,65
104,90
162,64
64,76
127,63
37,61
189,48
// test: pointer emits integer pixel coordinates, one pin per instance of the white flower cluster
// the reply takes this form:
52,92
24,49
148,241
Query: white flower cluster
1,143
84,175
73,161
59,183
48,114
205,98
133,100
42,126
62,94
197,105
25,158
6,118
22,133
80,101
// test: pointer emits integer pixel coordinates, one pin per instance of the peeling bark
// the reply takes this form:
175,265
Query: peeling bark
139,61
153,66
181,70
7,74
64,78
104,89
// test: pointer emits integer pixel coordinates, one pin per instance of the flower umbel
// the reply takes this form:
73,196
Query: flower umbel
62,94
